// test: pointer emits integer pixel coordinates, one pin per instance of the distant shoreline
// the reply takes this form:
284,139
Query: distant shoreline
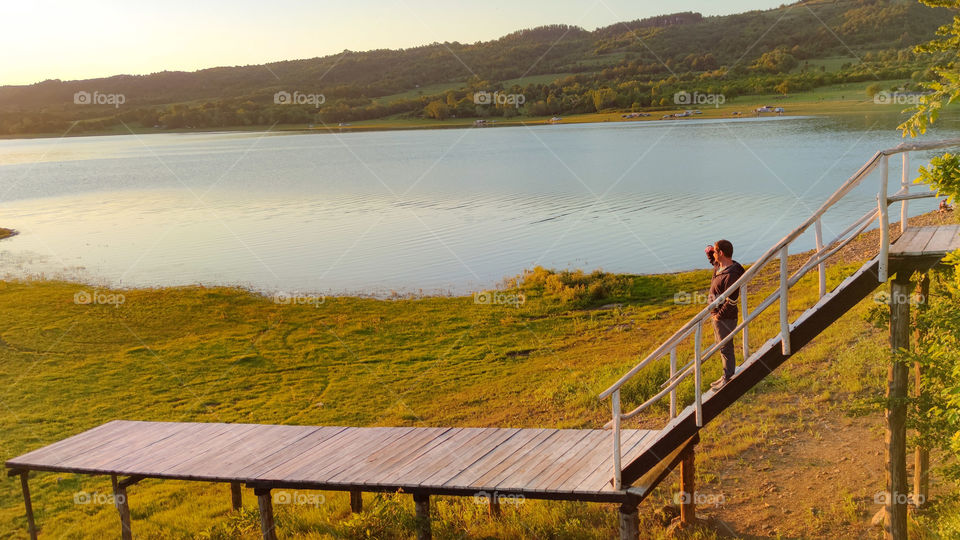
807,106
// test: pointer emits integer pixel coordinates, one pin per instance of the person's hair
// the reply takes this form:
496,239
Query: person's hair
725,247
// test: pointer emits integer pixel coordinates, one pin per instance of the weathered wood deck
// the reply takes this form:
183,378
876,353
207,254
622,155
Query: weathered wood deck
543,463
563,464
934,242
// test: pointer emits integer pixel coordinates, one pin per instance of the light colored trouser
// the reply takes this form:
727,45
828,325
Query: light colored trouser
722,329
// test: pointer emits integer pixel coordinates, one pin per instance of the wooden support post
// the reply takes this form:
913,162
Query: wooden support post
629,521
236,497
356,501
123,508
688,506
422,503
896,436
27,503
493,505
267,524
921,465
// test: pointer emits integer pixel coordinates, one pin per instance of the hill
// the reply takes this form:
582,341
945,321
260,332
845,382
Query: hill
636,61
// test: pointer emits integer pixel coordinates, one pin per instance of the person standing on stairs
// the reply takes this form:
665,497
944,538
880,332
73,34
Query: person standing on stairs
726,272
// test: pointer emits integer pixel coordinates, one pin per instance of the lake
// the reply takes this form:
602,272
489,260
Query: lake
437,211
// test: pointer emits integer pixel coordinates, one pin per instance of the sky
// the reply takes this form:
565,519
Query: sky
45,39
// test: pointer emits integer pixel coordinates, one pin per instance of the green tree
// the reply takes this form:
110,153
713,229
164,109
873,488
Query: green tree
944,81
603,98
437,110
937,412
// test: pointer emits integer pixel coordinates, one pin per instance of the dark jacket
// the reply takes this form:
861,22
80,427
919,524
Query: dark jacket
722,280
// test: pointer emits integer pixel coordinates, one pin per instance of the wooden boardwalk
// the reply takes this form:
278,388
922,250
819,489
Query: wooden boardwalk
542,463
491,463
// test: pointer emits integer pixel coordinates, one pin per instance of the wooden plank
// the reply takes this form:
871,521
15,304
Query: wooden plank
382,464
207,460
480,447
916,243
539,457
946,239
440,456
331,451
600,456
491,459
510,460
358,455
593,439
450,451
177,448
599,480
66,448
347,454
251,471
904,240
72,454
131,441
254,450
428,458
555,455
326,448
377,454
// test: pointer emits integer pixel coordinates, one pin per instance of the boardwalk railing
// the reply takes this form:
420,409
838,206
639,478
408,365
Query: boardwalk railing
780,250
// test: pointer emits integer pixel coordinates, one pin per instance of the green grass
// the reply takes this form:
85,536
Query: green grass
227,355
846,94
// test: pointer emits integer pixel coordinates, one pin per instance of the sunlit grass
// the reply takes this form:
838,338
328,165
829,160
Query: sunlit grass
227,355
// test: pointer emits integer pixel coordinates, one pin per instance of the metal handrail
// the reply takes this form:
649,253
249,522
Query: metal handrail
779,250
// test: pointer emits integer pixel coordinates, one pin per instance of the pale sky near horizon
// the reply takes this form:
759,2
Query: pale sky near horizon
47,39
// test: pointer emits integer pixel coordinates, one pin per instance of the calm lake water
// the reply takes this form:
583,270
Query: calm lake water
439,211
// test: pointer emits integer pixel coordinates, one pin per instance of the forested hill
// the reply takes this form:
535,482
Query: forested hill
773,41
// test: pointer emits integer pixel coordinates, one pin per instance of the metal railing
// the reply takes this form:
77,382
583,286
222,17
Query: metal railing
780,250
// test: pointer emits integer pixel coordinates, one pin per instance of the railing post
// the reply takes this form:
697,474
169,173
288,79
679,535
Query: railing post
882,204
784,311
905,187
822,267
617,471
673,393
696,372
746,324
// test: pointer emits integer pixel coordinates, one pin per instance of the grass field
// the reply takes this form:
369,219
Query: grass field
228,355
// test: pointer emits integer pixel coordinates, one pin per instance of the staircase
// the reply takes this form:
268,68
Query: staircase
684,425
